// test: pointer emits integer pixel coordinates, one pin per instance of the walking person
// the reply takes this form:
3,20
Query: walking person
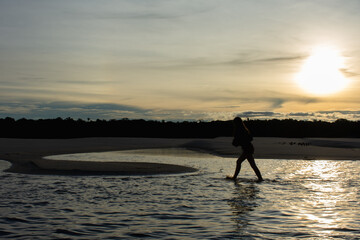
243,138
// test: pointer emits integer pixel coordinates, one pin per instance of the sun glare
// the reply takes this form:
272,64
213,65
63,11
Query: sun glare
321,72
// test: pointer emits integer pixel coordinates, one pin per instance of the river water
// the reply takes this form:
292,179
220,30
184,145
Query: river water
298,199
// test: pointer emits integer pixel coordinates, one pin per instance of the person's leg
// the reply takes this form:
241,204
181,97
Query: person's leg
254,167
238,165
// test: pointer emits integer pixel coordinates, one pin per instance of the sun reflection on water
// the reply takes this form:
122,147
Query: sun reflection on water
325,195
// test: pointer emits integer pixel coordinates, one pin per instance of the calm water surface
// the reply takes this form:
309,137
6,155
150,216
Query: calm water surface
298,199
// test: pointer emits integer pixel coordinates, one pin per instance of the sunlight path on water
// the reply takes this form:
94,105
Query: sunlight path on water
298,199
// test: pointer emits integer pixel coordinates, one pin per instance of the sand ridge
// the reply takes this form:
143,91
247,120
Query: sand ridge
26,155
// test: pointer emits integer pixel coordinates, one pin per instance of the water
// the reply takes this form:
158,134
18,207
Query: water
298,199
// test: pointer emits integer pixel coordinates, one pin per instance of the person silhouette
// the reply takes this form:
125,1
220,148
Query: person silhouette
243,138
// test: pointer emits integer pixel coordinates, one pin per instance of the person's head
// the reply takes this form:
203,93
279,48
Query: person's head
239,124
238,121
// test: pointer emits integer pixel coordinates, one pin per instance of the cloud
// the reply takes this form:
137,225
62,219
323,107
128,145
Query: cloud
251,60
242,59
348,73
147,15
145,10
329,116
266,98
334,115
67,109
326,115
37,110
301,114
277,102
251,114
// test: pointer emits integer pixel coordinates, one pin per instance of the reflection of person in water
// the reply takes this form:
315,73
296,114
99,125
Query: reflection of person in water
243,200
243,138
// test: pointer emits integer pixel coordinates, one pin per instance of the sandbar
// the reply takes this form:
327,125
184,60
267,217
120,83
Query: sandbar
27,155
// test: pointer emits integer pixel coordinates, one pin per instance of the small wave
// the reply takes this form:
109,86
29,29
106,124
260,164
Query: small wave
68,232
173,216
44,203
351,230
138,235
5,233
67,210
15,219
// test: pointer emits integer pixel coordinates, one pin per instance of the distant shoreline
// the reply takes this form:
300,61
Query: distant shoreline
69,128
24,154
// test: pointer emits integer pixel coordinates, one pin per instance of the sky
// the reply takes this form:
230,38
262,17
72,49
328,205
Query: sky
174,59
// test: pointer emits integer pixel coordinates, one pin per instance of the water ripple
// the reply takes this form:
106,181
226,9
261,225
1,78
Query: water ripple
298,199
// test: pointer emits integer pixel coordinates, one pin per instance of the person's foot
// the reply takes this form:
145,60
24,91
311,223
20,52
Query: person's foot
260,180
230,178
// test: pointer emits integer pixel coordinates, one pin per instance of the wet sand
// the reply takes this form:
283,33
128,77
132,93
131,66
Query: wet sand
27,155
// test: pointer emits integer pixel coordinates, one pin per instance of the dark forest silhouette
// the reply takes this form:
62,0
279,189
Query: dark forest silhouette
70,128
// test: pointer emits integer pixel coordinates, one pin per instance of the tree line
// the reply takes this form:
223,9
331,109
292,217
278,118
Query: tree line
71,128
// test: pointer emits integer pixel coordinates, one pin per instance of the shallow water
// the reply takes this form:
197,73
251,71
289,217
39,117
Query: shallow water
298,199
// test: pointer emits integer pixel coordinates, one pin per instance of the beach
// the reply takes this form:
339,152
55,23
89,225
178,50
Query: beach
27,155
162,190
131,188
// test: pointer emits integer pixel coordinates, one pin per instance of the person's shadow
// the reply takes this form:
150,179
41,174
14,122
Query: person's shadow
242,203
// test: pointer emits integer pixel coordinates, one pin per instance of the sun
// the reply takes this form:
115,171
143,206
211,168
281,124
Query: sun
321,73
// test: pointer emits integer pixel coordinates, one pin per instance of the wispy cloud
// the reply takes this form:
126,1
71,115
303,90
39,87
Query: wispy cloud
145,15
274,59
250,114
273,99
329,116
37,110
348,73
301,114
67,109
242,59
145,11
